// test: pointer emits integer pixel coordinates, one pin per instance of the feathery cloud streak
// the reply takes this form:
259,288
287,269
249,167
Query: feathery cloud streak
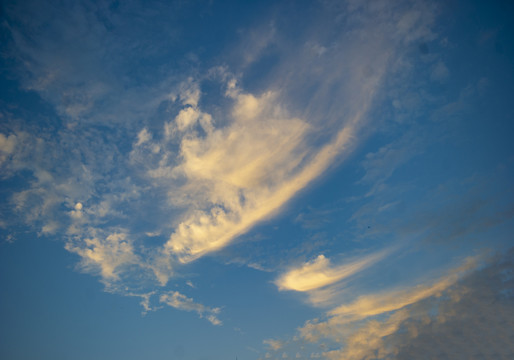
387,324
245,172
320,273
182,302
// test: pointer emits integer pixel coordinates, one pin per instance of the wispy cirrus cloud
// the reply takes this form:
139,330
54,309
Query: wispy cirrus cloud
409,322
320,273
376,304
427,318
182,302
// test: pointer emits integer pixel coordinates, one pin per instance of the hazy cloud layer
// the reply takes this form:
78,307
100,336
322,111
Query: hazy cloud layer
436,320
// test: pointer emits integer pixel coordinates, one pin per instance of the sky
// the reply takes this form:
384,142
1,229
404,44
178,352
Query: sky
256,180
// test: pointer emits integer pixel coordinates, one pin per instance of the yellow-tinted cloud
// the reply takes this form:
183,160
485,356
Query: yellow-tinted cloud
375,304
343,323
105,255
273,344
404,329
241,174
320,273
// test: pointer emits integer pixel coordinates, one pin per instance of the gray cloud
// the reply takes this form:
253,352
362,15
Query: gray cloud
470,316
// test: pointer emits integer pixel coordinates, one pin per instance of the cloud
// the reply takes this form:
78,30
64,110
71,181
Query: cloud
238,175
273,344
371,305
440,72
380,165
7,145
107,256
320,273
197,182
76,56
435,319
460,324
182,302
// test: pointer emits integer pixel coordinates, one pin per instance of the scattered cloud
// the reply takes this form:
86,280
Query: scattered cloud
7,145
440,72
173,178
182,302
105,255
273,344
436,318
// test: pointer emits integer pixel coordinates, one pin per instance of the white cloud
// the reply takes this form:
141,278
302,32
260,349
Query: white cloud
237,174
105,255
273,344
182,302
7,147
7,143
143,136
260,154
240,174
50,228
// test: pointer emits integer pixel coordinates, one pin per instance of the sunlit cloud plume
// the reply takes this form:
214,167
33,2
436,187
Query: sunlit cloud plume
431,320
371,305
362,325
240,170
243,173
182,302
320,273
234,176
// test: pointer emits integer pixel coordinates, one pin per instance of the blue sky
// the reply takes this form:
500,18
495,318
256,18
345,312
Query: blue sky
260,180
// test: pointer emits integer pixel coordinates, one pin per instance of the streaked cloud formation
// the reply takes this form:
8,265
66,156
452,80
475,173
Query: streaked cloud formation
319,273
182,302
394,323
377,304
269,163
315,180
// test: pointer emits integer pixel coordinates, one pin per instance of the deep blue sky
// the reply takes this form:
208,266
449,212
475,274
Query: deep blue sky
266,180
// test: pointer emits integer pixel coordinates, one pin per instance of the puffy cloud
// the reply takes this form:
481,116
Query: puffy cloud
105,255
7,143
273,344
142,137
